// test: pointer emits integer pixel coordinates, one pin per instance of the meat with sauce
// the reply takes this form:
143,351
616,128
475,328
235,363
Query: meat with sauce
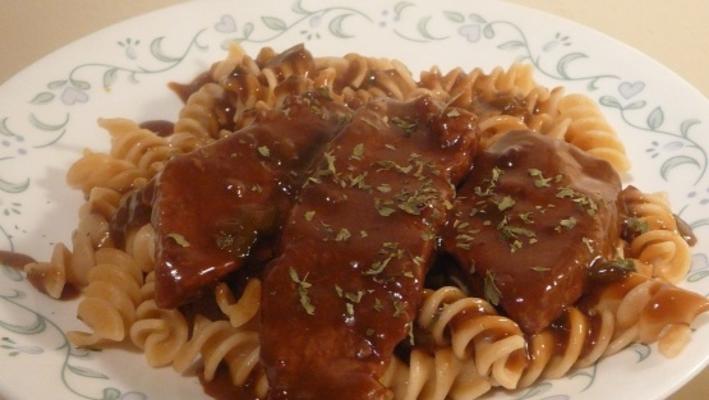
356,248
212,205
530,220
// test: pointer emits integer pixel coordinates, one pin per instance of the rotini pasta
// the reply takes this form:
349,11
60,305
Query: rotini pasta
109,301
158,332
589,131
473,329
140,244
656,240
103,170
627,312
439,376
197,123
244,310
141,147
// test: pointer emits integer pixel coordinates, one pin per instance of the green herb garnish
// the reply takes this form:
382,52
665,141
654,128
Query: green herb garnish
540,269
303,286
539,180
384,188
579,198
343,235
491,291
309,215
406,125
505,203
357,152
637,225
264,151
566,223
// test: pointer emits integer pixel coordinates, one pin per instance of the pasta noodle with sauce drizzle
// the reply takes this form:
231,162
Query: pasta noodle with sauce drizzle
473,328
657,241
439,376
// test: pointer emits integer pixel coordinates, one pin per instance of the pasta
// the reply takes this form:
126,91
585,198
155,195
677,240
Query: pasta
159,333
658,242
110,298
460,345
589,130
141,147
626,313
471,326
197,123
434,377
103,170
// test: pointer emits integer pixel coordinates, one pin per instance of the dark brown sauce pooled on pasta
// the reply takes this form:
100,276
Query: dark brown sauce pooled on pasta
159,127
221,387
685,230
184,91
15,260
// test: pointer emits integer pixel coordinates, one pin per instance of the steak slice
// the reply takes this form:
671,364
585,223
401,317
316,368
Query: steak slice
530,220
212,205
356,247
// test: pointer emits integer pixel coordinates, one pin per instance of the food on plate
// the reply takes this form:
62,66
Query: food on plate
320,227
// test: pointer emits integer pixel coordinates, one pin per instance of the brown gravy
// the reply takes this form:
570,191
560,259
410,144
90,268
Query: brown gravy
185,90
685,230
15,260
160,127
221,387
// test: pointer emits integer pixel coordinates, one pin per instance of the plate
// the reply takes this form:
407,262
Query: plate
48,113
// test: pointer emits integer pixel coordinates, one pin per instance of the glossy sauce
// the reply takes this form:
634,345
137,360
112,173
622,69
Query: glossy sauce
528,223
184,91
133,211
685,230
161,128
15,260
356,248
213,205
221,387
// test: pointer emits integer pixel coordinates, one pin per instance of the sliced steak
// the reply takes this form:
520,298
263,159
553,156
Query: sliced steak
212,205
529,221
356,248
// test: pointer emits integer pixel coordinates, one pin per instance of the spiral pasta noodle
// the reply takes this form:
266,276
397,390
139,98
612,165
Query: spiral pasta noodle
104,201
463,88
659,243
102,170
244,310
471,325
197,123
589,131
140,244
109,302
631,311
358,78
439,376
141,147
166,339
160,333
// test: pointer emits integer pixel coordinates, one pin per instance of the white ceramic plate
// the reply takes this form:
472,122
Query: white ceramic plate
48,114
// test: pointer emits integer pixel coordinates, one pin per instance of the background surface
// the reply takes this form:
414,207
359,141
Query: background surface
674,33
